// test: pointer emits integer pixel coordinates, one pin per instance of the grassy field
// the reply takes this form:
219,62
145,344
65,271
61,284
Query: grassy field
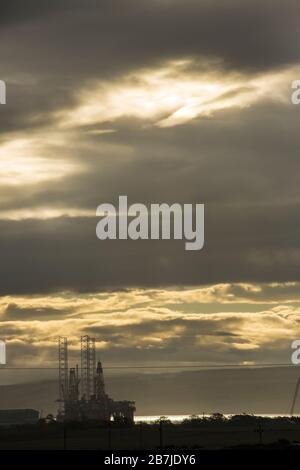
205,436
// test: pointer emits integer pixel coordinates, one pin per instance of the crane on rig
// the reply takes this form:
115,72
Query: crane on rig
295,396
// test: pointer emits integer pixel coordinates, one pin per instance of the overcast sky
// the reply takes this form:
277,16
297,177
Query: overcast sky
164,101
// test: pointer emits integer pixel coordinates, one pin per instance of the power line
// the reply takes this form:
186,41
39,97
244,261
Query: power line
178,366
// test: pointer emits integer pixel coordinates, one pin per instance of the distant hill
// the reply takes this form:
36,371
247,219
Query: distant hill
267,390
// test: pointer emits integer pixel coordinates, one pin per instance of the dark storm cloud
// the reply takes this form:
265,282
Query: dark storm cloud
58,254
95,39
15,312
17,10
243,165
244,159
31,106
189,329
49,49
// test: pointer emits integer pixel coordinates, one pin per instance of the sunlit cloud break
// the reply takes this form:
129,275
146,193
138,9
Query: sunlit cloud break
160,96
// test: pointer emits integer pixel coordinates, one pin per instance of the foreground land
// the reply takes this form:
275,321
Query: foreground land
195,433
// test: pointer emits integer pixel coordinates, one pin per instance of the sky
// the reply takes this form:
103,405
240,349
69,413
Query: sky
163,101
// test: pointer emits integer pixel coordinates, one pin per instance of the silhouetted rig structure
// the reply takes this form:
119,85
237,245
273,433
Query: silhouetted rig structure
84,399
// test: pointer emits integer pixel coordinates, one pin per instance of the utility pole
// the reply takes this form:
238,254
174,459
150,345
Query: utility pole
161,434
141,436
260,432
65,436
109,435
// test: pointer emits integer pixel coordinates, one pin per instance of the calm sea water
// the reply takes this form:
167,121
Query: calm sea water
179,418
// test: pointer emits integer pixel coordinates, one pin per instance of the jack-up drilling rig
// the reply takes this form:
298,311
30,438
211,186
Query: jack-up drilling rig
84,398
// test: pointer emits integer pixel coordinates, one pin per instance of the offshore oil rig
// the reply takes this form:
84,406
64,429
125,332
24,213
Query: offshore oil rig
83,397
